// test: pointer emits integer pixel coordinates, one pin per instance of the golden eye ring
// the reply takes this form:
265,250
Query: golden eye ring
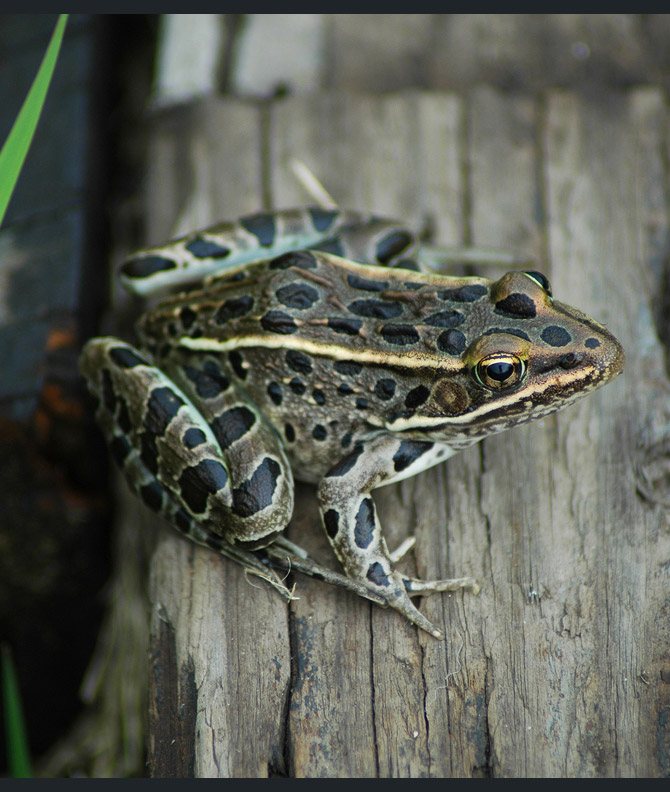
499,371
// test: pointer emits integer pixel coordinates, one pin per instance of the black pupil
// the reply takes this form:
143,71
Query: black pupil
500,371
541,279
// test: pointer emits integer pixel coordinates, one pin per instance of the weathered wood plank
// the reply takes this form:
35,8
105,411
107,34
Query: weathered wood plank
607,167
220,637
391,52
558,667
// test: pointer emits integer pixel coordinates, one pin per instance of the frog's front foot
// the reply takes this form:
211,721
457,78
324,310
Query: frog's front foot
398,596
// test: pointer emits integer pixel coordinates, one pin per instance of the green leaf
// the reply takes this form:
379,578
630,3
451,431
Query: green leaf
13,153
18,756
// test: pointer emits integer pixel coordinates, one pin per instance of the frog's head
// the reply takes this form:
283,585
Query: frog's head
525,356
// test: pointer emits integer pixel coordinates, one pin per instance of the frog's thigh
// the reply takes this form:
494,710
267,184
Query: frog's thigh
261,498
184,463
348,511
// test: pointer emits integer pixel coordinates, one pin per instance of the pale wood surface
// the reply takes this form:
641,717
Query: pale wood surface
388,52
560,667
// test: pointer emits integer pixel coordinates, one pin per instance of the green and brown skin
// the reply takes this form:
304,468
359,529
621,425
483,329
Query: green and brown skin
343,374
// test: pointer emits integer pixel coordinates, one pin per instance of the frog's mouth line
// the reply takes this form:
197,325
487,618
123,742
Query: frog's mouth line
512,409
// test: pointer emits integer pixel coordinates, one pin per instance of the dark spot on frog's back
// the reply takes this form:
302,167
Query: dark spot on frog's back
262,226
206,248
591,343
445,319
302,259
278,322
187,316
145,266
297,295
319,432
274,392
348,367
451,341
126,358
400,334
237,363
365,523
254,494
516,305
385,389
464,294
297,386
366,284
234,308
350,327
376,309
208,383
298,362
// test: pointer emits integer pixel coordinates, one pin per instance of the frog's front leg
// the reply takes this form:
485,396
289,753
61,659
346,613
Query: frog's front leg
353,529
215,471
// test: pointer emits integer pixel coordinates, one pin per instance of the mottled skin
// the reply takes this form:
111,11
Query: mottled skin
347,375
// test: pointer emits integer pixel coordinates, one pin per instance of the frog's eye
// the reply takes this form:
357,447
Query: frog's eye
540,279
499,370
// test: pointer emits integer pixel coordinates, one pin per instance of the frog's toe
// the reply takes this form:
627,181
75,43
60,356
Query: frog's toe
401,551
416,587
400,601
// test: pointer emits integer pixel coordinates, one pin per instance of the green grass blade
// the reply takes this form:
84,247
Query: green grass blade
13,153
18,756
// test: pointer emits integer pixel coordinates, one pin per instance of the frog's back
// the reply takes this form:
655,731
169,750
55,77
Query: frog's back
332,351
326,305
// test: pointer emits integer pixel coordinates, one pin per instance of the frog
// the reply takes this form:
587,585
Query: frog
317,344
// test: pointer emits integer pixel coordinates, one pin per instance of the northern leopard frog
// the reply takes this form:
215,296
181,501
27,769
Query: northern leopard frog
293,360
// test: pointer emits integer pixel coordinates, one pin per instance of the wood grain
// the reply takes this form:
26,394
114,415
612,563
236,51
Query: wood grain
560,667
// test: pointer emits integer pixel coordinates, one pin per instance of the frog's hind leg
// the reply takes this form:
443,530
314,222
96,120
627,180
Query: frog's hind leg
227,246
379,241
217,476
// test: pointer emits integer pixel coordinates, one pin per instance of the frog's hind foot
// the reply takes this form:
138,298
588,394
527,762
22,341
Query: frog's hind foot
282,553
